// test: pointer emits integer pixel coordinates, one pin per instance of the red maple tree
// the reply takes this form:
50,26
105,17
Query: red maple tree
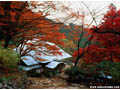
107,38
20,26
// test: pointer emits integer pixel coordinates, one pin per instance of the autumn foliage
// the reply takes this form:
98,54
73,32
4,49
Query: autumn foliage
107,38
20,25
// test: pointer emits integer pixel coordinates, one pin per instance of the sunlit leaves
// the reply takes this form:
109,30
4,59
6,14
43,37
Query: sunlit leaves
29,30
107,42
108,47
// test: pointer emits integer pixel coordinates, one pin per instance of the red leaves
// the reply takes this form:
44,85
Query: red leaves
75,54
22,25
107,42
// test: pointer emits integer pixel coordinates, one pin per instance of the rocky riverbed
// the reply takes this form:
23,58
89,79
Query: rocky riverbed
55,82
19,82
52,83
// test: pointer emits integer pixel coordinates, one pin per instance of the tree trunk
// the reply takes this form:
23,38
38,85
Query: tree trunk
7,40
7,14
76,61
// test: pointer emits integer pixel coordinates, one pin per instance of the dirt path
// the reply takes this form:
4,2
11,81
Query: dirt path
51,83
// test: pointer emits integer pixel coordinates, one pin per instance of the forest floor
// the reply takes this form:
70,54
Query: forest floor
56,82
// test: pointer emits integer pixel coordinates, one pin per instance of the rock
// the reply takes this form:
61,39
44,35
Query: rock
52,87
21,85
75,85
14,86
55,84
30,82
82,86
17,83
1,85
63,76
45,83
4,85
67,66
61,88
8,87
52,83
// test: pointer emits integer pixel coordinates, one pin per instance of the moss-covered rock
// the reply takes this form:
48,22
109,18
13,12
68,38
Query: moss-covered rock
17,82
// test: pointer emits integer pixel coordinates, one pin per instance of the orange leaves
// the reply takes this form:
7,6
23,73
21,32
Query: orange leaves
33,4
16,4
81,50
106,41
1,11
23,24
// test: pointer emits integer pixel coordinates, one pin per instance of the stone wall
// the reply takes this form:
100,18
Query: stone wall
18,83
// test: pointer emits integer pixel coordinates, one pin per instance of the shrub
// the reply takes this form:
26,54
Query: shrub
33,73
7,79
108,68
77,75
95,73
115,72
50,72
102,67
8,59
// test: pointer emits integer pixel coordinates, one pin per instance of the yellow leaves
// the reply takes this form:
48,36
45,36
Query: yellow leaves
69,44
